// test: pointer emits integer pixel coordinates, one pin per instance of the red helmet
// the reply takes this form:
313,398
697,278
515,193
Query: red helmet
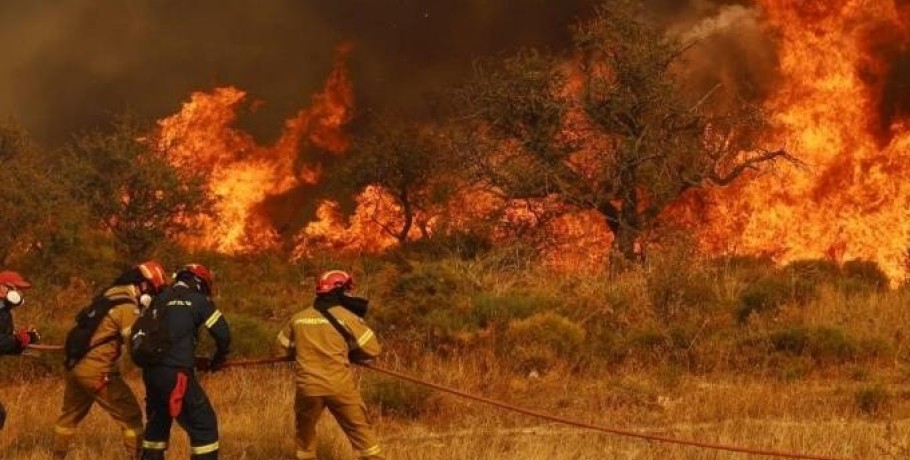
154,273
334,279
13,279
10,285
202,274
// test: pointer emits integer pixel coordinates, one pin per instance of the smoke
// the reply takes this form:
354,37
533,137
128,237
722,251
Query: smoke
886,73
69,65
732,48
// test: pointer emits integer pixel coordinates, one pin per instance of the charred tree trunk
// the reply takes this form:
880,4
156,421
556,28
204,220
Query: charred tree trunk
624,220
407,211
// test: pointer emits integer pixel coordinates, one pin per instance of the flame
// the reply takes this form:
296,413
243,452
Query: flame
244,174
367,230
850,201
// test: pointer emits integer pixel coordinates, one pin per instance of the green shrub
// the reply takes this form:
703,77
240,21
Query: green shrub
864,275
490,309
830,345
675,295
824,345
872,400
401,399
542,341
792,340
414,295
648,344
807,275
766,294
448,325
814,271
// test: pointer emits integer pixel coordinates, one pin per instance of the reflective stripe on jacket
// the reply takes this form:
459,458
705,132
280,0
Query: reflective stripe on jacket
321,353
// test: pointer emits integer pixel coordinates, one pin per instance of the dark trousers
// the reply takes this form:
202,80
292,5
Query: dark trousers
196,415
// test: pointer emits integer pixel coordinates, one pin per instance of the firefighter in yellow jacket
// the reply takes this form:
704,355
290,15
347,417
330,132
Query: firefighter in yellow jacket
93,348
324,339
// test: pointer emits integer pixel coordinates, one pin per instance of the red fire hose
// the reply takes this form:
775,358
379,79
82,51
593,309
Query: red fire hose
534,413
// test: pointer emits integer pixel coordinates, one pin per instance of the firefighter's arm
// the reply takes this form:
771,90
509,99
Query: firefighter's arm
218,328
9,345
125,316
284,342
365,337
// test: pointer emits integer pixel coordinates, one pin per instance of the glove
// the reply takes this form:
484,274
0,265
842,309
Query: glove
26,337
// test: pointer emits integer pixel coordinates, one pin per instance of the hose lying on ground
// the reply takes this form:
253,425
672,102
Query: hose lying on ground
533,413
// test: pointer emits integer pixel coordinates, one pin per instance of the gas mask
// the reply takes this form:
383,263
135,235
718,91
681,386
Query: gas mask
11,296
145,300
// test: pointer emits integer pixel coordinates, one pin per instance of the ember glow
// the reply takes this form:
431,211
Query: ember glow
838,108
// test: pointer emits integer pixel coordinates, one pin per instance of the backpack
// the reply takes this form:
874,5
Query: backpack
79,338
150,339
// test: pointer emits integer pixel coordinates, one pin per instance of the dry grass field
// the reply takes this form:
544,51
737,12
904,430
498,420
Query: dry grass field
254,407
807,358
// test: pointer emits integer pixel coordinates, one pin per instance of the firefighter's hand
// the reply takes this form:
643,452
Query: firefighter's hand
27,337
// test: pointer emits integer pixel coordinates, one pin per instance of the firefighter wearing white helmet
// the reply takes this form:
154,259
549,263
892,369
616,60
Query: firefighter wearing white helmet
324,339
12,342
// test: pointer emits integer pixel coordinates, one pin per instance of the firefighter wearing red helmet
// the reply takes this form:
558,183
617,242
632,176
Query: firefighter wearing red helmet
324,339
172,389
93,348
12,342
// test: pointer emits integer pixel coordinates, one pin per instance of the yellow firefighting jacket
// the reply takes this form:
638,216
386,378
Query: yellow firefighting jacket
321,353
111,333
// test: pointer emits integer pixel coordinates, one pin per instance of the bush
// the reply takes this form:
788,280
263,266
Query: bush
813,271
793,341
490,309
864,275
414,295
872,400
402,399
824,345
807,275
674,294
541,341
764,295
830,345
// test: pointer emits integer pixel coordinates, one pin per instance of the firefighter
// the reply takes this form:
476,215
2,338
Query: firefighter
324,339
172,390
12,342
92,374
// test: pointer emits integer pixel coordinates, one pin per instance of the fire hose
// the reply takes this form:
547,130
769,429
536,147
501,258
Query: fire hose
533,413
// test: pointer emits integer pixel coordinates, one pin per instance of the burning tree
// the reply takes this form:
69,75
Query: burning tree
131,188
407,165
610,127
